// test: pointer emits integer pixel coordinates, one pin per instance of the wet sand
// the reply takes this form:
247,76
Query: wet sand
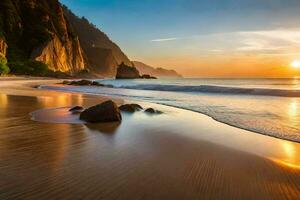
177,155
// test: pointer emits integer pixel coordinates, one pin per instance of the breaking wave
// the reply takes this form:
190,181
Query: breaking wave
215,89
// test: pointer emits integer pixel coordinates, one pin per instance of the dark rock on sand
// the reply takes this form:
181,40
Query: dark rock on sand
81,83
104,112
76,108
130,108
153,111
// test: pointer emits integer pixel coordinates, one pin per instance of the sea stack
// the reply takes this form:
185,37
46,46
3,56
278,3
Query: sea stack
127,72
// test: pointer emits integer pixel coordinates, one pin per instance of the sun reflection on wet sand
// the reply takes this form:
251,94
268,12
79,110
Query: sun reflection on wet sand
3,100
286,164
60,100
291,158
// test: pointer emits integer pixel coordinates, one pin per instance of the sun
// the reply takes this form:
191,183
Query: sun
295,64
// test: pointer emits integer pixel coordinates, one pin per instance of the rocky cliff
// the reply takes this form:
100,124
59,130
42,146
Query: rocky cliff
38,29
157,72
45,31
61,56
102,54
101,61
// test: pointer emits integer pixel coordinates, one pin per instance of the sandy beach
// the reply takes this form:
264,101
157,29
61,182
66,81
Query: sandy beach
177,155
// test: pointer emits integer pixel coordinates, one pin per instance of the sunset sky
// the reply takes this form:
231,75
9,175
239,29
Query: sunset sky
211,38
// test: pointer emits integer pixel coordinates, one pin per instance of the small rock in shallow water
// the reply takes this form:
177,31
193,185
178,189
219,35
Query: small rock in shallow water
82,83
76,108
104,112
66,82
94,83
130,108
137,106
153,111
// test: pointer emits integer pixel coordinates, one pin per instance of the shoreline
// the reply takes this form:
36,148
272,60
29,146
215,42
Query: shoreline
34,82
199,112
54,81
188,153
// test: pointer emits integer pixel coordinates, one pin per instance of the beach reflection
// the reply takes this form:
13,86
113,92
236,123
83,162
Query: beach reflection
60,100
293,108
62,160
25,145
291,157
3,100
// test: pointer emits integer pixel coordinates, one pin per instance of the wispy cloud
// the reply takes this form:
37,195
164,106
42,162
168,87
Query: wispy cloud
269,42
279,42
164,39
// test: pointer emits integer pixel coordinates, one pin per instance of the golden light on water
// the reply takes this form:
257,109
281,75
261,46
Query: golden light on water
293,108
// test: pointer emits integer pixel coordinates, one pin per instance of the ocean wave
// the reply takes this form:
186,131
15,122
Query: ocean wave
216,89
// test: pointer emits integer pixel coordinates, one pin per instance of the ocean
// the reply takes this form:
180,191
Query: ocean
267,106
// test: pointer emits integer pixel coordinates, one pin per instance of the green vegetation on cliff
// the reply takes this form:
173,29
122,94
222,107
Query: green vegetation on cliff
4,69
29,67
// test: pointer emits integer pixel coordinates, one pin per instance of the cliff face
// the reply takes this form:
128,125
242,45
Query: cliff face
38,29
103,59
102,54
63,52
60,56
157,72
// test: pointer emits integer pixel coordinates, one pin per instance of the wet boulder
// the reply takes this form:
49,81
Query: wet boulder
95,83
76,108
152,111
81,83
131,108
66,82
104,112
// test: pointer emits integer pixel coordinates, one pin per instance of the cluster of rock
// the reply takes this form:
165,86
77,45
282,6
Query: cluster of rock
131,108
128,72
108,111
83,83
